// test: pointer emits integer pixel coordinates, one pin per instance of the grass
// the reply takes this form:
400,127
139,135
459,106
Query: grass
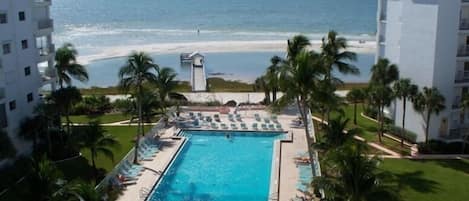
435,180
105,118
369,129
81,168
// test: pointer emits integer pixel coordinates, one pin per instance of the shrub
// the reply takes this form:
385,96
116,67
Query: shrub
125,106
92,105
396,131
231,103
442,147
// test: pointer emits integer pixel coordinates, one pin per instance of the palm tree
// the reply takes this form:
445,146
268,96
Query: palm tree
464,135
165,83
31,128
64,99
47,112
44,181
296,45
94,138
297,83
428,102
133,75
404,90
84,191
67,66
272,76
261,84
336,133
355,177
335,56
8,149
355,96
383,74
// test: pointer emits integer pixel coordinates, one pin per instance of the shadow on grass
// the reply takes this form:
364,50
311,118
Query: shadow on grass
76,169
416,181
455,164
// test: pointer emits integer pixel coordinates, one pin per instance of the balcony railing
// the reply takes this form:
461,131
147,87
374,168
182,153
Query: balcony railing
461,77
44,51
463,50
45,24
464,24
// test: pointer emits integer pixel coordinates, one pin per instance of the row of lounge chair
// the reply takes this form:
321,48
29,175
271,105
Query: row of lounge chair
243,126
267,120
146,152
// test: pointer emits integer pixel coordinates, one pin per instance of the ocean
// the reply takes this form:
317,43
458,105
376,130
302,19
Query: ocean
99,27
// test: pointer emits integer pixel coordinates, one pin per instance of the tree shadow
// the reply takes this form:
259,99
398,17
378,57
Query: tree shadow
77,168
416,181
455,164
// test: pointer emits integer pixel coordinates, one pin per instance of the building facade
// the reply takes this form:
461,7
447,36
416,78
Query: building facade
26,62
429,41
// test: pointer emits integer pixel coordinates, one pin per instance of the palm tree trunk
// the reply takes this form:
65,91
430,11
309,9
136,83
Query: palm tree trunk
139,122
403,120
380,118
355,113
95,171
304,112
274,95
427,126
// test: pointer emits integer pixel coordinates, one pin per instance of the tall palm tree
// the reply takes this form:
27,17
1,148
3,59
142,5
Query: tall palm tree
94,138
383,74
355,96
64,99
47,112
272,76
296,45
464,134
68,67
8,149
298,83
336,57
261,84
404,90
355,177
165,83
32,128
428,102
138,70
336,133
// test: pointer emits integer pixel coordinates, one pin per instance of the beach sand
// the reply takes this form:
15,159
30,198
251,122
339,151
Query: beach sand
213,46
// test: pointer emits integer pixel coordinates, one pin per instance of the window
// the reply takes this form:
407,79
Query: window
27,71
24,44
29,97
21,16
6,48
3,18
12,105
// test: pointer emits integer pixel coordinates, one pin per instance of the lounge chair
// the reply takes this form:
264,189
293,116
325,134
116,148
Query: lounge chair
264,127
214,125
243,126
216,117
230,117
266,120
234,127
224,126
238,118
279,127
271,127
257,117
254,126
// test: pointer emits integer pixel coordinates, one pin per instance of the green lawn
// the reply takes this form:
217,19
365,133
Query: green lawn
369,129
81,168
106,118
435,180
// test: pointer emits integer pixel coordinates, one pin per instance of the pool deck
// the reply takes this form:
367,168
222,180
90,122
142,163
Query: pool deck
288,176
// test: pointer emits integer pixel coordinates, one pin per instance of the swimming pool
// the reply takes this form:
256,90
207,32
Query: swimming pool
213,167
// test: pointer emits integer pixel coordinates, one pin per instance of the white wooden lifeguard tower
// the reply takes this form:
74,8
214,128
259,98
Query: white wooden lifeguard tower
198,76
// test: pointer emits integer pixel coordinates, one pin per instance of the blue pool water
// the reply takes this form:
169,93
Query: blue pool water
212,167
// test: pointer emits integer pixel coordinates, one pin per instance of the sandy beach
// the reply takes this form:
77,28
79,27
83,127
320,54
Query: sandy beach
213,46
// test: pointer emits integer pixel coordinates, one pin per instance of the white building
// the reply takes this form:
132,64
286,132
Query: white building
25,44
429,41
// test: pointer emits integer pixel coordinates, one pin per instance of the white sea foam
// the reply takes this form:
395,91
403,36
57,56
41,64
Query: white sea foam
211,46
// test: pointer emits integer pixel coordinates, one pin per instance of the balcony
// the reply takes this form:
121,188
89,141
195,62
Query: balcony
40,3
46,53
2,93
463,51
45,27
464,24
461,77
